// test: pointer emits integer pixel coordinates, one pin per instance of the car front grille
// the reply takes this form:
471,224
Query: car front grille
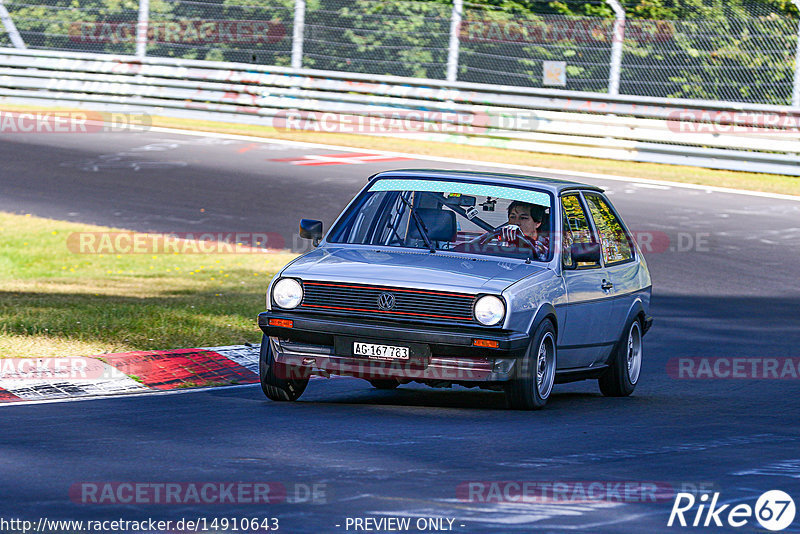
405,303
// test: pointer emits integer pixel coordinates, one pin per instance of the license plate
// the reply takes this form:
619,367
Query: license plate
380,352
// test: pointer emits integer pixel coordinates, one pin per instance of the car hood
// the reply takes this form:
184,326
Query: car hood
411,268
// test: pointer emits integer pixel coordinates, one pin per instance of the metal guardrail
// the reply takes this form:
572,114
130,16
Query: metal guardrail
752,137
743,52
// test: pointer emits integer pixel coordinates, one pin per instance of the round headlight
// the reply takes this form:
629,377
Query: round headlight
489,310
287,293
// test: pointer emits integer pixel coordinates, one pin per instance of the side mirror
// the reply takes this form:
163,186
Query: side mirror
311,229
585,253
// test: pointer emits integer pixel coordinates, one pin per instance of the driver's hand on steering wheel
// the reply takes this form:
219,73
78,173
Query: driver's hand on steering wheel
509,233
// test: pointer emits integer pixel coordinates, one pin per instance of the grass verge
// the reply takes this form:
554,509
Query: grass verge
54,302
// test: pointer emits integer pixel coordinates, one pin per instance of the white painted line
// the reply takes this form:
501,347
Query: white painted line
653,186
506,166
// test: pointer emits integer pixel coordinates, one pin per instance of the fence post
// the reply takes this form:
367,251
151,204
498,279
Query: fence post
141,28
297,33
796,87
616,46
11,28
455,30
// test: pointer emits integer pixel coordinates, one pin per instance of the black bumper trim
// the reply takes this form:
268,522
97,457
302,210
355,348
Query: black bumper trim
453,341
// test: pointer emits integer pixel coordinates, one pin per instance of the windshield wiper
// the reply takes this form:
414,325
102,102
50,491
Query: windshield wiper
423,231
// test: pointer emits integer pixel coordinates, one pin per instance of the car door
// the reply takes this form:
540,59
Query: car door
585,334
619,258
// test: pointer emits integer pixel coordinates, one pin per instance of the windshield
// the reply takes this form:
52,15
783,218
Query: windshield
453,216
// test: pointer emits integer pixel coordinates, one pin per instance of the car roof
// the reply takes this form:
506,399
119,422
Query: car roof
554,185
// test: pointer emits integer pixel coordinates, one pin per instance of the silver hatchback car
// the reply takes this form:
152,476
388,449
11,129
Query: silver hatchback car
499,281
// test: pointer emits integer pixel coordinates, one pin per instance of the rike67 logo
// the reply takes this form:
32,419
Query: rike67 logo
774,510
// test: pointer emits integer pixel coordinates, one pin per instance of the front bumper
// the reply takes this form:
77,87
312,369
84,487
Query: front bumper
323,345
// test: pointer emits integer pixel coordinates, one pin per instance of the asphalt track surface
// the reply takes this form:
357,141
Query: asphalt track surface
733,293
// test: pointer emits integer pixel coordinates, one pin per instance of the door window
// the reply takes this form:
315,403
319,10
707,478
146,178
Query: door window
614,241
576,230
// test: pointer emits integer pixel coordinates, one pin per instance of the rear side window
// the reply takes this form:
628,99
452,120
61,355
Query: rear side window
576,229
616,244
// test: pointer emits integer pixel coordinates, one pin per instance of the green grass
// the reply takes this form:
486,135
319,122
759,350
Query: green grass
54,302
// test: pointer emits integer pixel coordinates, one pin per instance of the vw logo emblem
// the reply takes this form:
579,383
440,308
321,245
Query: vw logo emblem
386,301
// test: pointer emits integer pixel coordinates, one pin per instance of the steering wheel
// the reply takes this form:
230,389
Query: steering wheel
497,232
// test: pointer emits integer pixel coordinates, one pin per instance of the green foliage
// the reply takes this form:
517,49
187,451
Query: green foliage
735,50
406,38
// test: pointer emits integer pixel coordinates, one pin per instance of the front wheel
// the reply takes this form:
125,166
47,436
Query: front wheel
279,382
536,372
626,363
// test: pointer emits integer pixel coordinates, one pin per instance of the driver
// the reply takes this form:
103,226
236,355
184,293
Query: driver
525,219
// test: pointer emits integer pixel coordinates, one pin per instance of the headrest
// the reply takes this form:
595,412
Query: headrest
441,224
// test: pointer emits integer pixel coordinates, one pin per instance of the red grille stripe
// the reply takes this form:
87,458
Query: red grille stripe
385,311
378,288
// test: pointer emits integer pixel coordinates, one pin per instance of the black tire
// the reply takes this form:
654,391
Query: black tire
532,384
274,382
384,383
626,363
